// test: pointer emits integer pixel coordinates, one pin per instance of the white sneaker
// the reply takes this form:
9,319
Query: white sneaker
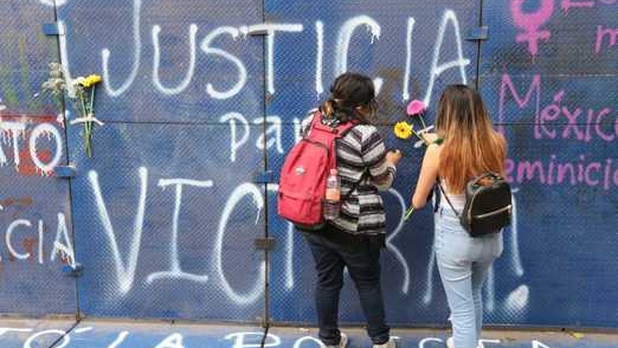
390,344
343,343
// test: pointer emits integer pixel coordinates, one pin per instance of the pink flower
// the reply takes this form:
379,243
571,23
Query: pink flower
415,107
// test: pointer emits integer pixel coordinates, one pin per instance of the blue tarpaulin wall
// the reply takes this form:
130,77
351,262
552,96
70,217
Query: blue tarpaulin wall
200,99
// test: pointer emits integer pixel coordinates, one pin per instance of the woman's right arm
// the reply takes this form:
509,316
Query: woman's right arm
380,164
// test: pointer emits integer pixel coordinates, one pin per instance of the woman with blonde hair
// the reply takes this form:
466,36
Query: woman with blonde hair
468,146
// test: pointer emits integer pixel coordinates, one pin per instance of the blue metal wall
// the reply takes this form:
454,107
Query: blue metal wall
34,207
200,97
152,226
566,223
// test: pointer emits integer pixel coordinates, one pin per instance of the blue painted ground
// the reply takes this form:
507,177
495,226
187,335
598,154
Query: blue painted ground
117,334
32,333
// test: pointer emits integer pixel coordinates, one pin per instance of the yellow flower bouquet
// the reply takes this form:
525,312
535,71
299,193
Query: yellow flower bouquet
82,88
81,92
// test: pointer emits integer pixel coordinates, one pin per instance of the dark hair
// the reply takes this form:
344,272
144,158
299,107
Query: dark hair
350,90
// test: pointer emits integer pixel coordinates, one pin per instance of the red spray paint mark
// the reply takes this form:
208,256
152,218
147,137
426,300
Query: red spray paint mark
64,258
29,245
27,166
26,201
19,204
24,118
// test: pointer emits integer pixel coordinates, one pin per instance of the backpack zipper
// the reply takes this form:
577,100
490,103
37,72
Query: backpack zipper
492,213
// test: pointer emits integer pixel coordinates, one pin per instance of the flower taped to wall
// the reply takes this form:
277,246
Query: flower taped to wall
81,92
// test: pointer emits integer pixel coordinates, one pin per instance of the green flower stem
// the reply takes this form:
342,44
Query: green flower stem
422,121
86,128
81,98
408,213
418,136
84,115
90,122
92,99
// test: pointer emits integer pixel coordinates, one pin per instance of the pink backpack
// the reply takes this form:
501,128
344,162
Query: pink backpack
302,184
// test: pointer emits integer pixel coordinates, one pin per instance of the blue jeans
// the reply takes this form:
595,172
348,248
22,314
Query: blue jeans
362,259
464,263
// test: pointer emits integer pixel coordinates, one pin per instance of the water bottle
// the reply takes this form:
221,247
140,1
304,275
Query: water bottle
332,201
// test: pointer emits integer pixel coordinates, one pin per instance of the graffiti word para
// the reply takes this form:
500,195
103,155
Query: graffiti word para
559,120
240,132
27,155
245,339
349,31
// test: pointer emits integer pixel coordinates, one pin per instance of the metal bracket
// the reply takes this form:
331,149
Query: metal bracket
53,29
257,32
265,243
478,34
265,177
73,271
65,172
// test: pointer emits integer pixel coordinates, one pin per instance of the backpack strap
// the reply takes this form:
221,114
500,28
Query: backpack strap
340,131
344,128
447,199
316,118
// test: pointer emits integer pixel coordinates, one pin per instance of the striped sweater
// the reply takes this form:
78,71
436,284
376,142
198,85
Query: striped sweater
361,155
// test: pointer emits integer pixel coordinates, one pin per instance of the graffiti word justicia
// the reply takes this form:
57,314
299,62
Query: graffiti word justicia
207,45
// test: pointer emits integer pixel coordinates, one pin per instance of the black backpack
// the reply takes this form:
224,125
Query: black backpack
488,206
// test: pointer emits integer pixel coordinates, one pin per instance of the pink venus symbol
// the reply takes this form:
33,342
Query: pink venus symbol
415,107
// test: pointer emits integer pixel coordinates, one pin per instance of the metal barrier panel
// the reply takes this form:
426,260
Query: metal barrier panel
199,98
35,214
548,75
412,50
167,208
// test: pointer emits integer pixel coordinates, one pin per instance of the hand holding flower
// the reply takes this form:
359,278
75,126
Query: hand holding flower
393,157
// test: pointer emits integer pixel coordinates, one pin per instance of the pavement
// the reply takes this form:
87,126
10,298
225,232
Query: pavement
62,333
